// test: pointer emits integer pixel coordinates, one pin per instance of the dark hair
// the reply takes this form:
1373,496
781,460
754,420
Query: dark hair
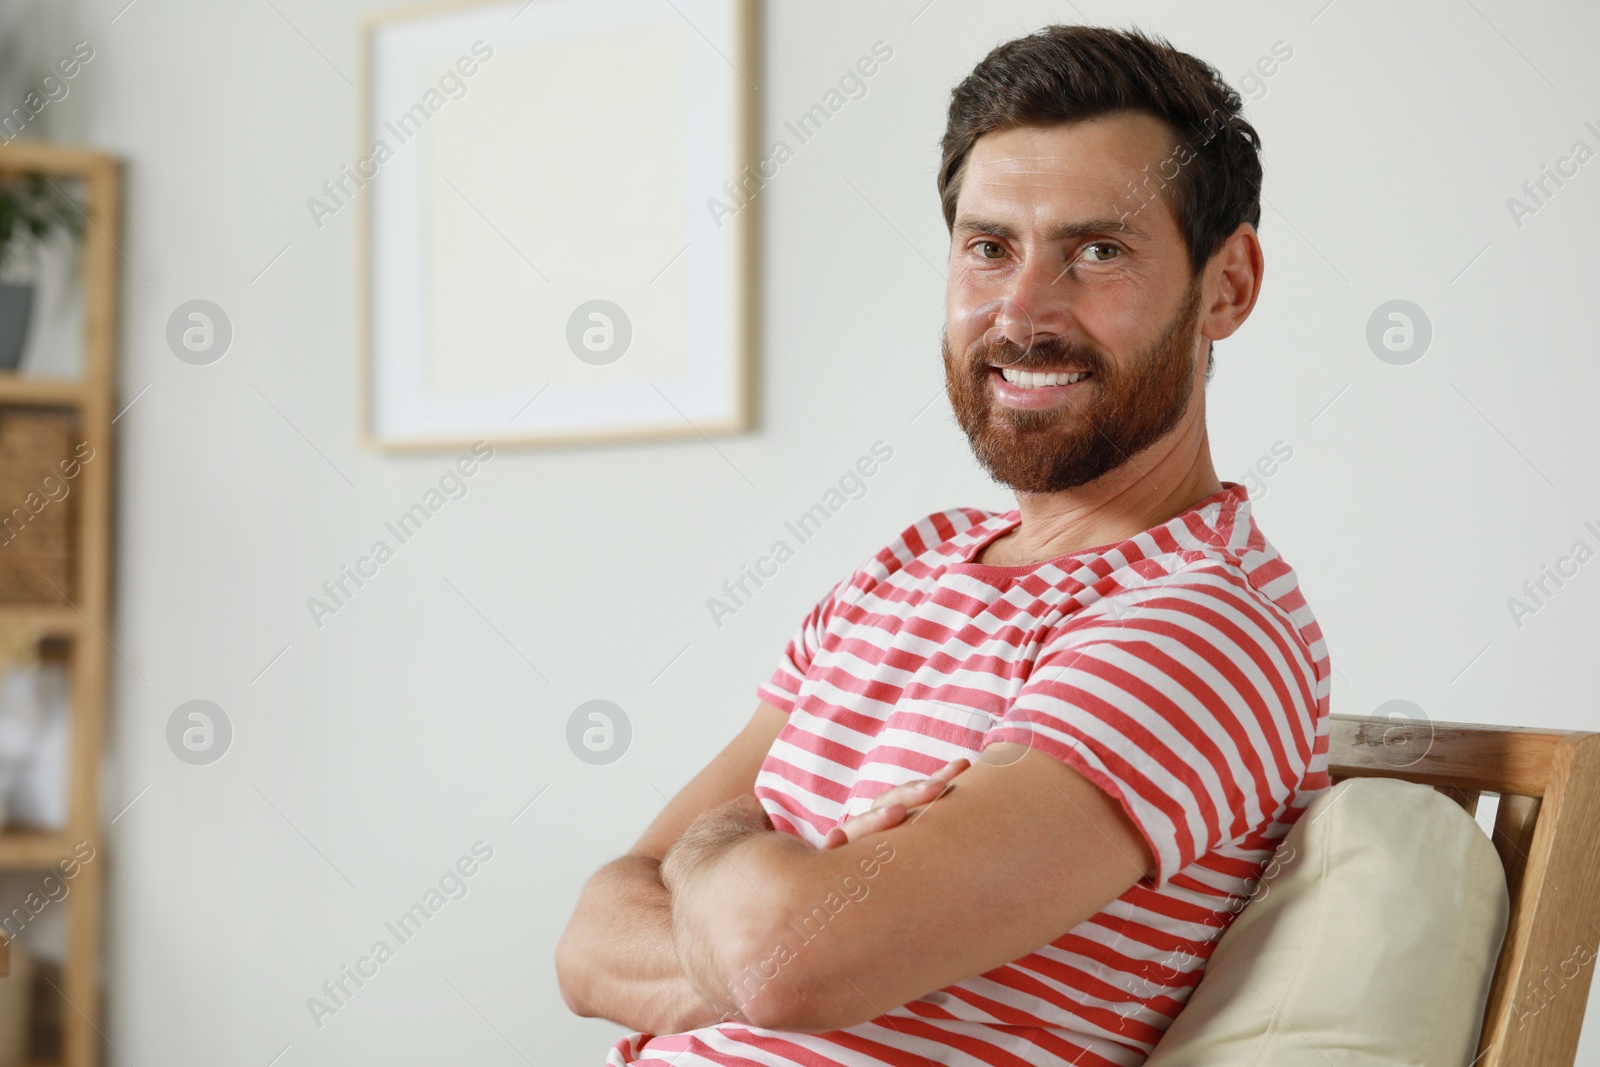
1070,73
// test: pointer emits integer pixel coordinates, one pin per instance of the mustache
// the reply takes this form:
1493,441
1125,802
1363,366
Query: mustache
1045,354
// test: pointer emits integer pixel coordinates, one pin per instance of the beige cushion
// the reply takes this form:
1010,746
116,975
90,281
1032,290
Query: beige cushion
1371,944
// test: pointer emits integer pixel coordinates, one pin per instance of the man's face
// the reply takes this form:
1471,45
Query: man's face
1063,260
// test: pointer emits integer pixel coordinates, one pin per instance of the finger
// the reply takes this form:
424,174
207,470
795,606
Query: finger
884,817
858,826
923,788
917,792
903,794
909,798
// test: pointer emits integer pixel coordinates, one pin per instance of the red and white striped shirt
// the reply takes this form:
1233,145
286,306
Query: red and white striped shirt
1180,670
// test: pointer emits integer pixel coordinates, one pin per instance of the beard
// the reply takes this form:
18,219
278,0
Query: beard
1121,412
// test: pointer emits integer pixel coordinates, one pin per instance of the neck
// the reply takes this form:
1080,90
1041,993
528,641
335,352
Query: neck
1159,483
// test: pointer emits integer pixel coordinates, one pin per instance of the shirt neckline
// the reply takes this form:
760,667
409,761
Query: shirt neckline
1013,518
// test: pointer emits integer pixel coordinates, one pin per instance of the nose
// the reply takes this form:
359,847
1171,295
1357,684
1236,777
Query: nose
1033,305
1014,322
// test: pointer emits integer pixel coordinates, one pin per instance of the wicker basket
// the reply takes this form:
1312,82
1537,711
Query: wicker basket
38,505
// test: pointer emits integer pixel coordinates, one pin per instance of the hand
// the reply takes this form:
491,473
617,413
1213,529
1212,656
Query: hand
893,806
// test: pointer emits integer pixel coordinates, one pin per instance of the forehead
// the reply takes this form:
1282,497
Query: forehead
1075,168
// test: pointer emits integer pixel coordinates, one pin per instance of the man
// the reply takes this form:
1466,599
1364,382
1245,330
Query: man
1014,776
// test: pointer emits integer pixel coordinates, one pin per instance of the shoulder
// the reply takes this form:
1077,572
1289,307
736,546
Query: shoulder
1213,558
925,544
1221,539
937,534
941,529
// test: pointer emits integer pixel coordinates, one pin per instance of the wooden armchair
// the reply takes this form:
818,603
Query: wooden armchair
1547,831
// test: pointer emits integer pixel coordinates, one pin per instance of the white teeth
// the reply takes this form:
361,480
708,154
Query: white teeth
1028,379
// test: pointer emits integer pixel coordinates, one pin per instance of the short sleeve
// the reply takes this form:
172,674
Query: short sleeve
782,687
1190,700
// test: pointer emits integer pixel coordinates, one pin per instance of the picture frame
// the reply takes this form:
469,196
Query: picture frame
558,222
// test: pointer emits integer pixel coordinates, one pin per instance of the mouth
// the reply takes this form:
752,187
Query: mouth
1029,379
1036,389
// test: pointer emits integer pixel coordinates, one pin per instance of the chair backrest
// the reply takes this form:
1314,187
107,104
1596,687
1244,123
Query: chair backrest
1547,831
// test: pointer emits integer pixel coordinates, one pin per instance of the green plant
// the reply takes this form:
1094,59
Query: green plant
31,208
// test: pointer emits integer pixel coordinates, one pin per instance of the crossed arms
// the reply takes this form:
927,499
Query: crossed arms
712,915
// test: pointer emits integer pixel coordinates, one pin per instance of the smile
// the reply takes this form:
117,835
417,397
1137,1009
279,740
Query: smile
1027,379
1037,389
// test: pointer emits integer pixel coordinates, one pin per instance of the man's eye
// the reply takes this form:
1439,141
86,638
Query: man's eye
1111,251
990,249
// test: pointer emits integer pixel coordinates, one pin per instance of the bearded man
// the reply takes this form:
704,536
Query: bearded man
1014,775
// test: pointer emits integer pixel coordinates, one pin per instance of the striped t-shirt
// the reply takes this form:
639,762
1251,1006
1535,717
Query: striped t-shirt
1180,670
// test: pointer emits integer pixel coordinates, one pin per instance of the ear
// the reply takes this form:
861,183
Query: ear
1232,283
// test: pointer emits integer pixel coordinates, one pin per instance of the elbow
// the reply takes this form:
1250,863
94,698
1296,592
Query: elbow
778,1008
792,1006
775,979
777,959
750,958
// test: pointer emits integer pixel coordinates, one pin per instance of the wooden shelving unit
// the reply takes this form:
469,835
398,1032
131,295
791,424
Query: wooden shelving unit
83,620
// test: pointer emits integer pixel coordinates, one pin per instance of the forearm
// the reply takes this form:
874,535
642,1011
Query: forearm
745,901
616,959
729,884
748,921
706,934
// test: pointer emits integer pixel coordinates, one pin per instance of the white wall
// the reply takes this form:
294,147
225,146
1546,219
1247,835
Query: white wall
378,749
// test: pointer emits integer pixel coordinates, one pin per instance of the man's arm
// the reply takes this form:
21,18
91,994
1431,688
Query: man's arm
616,958
1025,850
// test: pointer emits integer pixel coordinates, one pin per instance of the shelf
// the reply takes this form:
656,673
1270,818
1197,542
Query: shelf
27,155
50,392
56,622
96,178
33,849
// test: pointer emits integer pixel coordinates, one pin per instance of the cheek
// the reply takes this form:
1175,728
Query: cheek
1115,326
1125,309
971,306
1110,314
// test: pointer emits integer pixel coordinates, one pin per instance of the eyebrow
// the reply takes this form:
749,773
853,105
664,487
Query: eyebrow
1063,231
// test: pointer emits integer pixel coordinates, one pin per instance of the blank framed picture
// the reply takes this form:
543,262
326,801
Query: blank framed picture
558,239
